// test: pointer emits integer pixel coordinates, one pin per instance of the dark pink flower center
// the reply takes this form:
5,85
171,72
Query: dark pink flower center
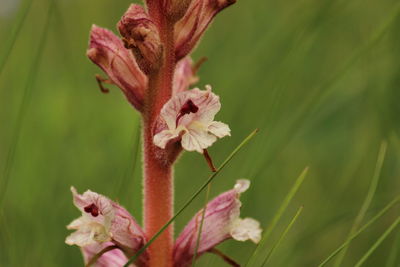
92,209
187,108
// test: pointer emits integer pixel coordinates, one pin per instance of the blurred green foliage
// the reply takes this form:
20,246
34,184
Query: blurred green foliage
319,78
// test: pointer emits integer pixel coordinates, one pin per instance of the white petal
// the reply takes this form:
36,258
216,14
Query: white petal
162,138
219,129
244,229
79,238
106,210
242,185
77,223
197,140
208,104
88,233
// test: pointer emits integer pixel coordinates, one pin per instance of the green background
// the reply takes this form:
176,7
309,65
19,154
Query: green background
319,78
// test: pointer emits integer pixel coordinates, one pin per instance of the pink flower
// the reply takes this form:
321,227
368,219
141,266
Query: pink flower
104,221
221,222
189,116
108,52
191,27
141,35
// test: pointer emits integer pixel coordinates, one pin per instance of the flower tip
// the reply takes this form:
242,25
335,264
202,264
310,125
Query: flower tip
242,185
73,190
245,229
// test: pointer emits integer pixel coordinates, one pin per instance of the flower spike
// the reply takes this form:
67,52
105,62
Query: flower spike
108,52
104,222
191,27
189,116
221,222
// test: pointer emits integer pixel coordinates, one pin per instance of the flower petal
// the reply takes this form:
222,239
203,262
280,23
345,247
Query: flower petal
220,221
112,258
184,75
219,129
162,138
191,27
195,140
245,229
108,52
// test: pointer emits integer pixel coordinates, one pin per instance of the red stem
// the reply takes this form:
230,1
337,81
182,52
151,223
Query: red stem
158,172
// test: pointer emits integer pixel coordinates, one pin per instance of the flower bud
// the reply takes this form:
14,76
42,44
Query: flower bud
140,34
108,52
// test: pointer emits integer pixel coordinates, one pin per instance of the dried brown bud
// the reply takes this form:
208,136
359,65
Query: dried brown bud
140,34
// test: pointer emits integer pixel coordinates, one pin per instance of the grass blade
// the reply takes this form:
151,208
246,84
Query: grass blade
201,225
278,215
367,200
23,107
283,235
9,44
378,242
209,180
391,261
365,226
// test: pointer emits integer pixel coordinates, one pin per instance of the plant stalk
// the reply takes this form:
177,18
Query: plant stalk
158,170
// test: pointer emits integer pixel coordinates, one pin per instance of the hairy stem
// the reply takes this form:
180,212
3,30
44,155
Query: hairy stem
158,170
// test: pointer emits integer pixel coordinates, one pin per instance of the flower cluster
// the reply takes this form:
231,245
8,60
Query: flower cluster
105,224
152,66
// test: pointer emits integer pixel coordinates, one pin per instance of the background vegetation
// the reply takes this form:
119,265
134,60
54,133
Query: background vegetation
320,79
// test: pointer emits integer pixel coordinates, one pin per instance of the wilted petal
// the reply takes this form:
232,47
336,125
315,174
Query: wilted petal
108,52
191,27
221,222
112,258
190,115
184,75
141,35
103,221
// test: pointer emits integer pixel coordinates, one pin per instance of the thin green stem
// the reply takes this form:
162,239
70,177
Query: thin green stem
282,235
203,214
394,251
26,97
278,215
364,227
367,201
378,242
9,44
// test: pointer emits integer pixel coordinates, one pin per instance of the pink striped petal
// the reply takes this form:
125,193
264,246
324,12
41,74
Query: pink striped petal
221,222
108,52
